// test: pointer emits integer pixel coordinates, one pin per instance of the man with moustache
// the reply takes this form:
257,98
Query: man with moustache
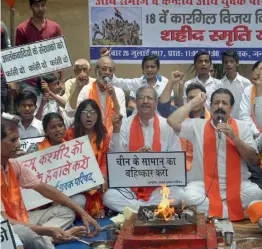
110,99
143,131
81,70
218,182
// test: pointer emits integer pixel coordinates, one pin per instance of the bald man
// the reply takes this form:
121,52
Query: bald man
81,70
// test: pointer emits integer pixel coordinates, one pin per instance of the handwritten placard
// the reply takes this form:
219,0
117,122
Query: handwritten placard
7,237
30,145
31,60
148,169
71,167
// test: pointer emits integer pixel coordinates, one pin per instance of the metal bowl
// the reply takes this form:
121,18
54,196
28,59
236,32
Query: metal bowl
249,243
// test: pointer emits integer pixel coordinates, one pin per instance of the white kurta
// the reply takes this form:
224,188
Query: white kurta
194,192
118,199
245,109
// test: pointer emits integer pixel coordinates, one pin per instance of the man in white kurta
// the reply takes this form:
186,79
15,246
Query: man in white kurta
196,192
146,101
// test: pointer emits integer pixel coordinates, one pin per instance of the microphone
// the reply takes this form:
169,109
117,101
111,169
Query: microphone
107,80
219,119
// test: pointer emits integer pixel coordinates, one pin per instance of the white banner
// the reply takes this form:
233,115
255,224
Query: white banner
7,237
146,169
175,30
30,145
31,60
71,167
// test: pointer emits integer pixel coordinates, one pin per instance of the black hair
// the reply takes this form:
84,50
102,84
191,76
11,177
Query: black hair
48,78
99,127
230,53
48,117
31,2
193,86
151,58
256,65
7,124
199,53
24,95
224,91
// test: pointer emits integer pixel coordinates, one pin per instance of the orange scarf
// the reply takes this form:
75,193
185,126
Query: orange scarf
187,146
233,172
94,203
253,102
46,144
136,142
254,212
11,196
109,112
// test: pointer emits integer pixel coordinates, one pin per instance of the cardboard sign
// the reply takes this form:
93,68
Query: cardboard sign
7,237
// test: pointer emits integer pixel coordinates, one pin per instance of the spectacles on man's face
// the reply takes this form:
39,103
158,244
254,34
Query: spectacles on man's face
105,69
143,97
89,113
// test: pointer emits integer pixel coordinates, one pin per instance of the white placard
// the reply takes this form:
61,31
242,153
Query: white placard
71,167
7,237
30,145
146,169
175,30
31,60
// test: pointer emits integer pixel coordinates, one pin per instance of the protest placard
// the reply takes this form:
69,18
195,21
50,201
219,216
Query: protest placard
146,169
30,145
7,237
31,60
70,167
175,30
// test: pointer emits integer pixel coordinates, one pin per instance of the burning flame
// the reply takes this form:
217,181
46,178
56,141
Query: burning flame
163,208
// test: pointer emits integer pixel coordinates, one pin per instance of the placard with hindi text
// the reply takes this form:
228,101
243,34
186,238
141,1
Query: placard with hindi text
7,237
71,167
146,169
36,59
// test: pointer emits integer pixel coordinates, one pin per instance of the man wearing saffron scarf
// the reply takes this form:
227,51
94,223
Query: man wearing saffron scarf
110,99
143,131
49,222
218,180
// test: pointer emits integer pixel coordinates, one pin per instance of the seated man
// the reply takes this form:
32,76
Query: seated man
144,131
49,222
29,126
218,180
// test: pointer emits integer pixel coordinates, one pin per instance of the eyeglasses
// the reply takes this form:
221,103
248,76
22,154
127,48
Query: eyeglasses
89,113
105,69
142,97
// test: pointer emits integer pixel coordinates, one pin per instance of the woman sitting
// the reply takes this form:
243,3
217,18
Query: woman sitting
88,122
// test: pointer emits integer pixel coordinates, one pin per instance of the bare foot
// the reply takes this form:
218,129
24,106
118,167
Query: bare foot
79,231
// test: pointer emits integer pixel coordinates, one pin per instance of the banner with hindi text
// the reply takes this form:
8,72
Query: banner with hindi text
175,30
71,167
146,169
36,59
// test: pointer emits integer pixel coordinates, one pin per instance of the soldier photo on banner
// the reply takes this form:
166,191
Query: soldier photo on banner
116,26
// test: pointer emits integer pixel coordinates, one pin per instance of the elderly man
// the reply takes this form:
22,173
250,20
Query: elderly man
46,222
144,131
218,180
110,99
81,70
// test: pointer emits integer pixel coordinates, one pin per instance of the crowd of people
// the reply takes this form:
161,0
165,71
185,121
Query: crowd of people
217,122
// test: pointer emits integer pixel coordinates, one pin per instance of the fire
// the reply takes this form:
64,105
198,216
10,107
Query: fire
163,208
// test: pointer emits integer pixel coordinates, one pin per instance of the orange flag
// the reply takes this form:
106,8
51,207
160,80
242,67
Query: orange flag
11,3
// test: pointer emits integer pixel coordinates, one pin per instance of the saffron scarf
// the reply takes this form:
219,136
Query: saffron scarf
109,108
46,144
253,102
187,146
254,211
11,196
233,173
94,203
136,142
